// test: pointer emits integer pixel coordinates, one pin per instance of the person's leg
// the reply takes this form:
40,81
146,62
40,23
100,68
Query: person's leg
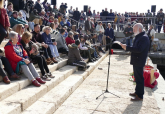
130,41
63,51
127,42
107,42
159,28
7,66
3,33
52,50
39,60
45,65
27,72
138,74
49,52
33,70
45,52
2,71
56,51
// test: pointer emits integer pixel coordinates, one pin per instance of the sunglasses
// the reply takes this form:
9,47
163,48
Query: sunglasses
23,27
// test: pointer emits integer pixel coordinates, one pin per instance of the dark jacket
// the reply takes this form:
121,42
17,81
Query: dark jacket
129,34
74,54
76,15
87,26
33,16
139,51
38,7
37,37
109,33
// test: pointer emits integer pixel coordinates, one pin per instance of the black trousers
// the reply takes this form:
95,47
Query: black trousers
86,54
150,45
3,33
63,51
138,74
108,41
47,52
4,61
42,64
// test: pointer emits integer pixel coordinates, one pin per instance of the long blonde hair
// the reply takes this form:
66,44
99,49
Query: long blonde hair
1,4
17,28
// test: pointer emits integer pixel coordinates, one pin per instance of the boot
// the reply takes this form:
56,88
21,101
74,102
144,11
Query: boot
6,80
48,61
53,59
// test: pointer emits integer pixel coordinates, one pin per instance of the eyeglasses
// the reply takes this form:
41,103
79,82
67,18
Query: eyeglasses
23,27
48,29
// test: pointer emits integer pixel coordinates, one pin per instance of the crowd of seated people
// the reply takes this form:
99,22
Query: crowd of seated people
39,38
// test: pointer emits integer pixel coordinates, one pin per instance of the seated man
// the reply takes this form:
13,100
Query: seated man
74,57
14,20
85,50
61,44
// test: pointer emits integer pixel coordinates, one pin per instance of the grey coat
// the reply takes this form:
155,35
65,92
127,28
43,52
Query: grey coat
61,43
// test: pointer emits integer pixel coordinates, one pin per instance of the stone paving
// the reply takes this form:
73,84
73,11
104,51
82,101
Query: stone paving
83,100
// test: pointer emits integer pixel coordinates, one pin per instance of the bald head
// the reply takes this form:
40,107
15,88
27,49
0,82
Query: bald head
137,28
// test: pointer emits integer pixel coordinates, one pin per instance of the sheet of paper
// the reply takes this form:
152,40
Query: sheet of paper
117,42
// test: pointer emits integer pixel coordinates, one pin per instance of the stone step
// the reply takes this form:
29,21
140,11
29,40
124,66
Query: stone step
52,100
27,96
4,42
8,89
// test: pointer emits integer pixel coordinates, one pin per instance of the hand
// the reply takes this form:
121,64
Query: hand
32,51
46,46
126,32
123,46
55,43
26,61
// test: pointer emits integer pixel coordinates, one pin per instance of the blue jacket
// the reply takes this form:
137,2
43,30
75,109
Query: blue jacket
112,16
109,33
139,51
47,39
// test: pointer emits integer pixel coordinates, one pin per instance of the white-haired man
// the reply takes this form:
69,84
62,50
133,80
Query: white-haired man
139,52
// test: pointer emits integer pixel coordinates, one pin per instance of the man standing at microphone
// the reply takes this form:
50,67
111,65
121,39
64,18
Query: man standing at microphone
139,52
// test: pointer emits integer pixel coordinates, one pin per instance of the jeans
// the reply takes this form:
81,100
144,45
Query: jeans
129,42
159,27
54,51
31,25
30,71
138,74
100,38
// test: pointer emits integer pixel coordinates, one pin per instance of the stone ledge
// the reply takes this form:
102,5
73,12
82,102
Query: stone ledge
61,92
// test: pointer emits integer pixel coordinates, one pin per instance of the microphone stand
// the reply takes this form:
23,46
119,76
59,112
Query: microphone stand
107,91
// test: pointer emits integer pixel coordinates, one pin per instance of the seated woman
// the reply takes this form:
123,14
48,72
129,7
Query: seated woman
18,58
4,61
54,34
32,49
74,57
47,40
20,29
61,44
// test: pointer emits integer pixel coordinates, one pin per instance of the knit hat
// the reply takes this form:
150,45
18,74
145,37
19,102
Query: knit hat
77,42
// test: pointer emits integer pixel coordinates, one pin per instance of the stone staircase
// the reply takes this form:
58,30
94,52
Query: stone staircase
21,97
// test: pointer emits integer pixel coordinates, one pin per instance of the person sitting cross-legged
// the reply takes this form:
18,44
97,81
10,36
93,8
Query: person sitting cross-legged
18,58
74,57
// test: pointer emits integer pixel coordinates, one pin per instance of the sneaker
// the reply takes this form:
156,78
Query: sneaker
36,83
50,75
60,58
45,77
40,81
6,80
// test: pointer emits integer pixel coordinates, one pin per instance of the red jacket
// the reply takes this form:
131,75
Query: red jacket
12,56
4,19
69,40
